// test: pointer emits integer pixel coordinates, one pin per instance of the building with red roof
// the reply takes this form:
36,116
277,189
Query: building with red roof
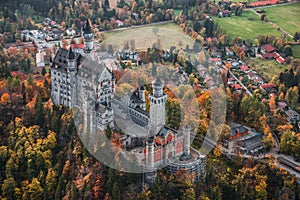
77,46
267,48
244,68
236,86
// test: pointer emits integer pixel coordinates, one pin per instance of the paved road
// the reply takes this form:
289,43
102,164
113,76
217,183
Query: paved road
245,88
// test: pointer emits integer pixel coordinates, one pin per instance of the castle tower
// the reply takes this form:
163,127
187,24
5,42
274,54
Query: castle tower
88,37
157,107
142,96
150,153
187,139
71,60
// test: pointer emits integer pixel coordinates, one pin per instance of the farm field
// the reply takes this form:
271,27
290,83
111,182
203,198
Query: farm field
240,26
285,16
266,68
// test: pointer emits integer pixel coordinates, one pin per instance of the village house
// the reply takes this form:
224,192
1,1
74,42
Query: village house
236,87
237,130
282,105
268,87
215,61
229,52
291,116
244,68
251,144
256,78
269,52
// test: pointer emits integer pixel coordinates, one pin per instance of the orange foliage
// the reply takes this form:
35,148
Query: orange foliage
203,98
5,98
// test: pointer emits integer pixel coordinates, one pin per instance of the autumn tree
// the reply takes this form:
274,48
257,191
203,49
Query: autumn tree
5,99
8,188
292,96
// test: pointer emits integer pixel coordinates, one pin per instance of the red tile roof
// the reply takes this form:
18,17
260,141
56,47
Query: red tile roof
265,86
268,48
263,3
77,46
214,59
244,68
236,86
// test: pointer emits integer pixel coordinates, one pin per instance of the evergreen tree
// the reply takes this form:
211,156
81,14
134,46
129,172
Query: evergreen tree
43,71
108,132
116,192
296,36
39,114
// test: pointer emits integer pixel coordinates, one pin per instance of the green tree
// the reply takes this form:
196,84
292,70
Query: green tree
296,36
29,80
43,71
252,109
116,192
292,96
287,141
39,114
108,132
287,50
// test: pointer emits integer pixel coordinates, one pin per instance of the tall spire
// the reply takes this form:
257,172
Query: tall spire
88,37
87,28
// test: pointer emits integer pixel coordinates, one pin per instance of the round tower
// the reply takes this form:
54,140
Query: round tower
142,97
150,153
158,87
88,37
187,139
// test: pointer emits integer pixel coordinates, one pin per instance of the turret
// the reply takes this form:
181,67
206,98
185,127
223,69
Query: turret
88,37
150,153
142,93
71,60
158,87
187,139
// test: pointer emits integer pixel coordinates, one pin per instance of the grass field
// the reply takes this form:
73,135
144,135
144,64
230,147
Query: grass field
240,26
296,51
285,16
266,68
168,35
171,26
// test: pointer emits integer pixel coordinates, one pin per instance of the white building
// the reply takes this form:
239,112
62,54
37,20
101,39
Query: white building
74,77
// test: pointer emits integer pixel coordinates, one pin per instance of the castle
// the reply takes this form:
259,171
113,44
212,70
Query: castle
86,75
